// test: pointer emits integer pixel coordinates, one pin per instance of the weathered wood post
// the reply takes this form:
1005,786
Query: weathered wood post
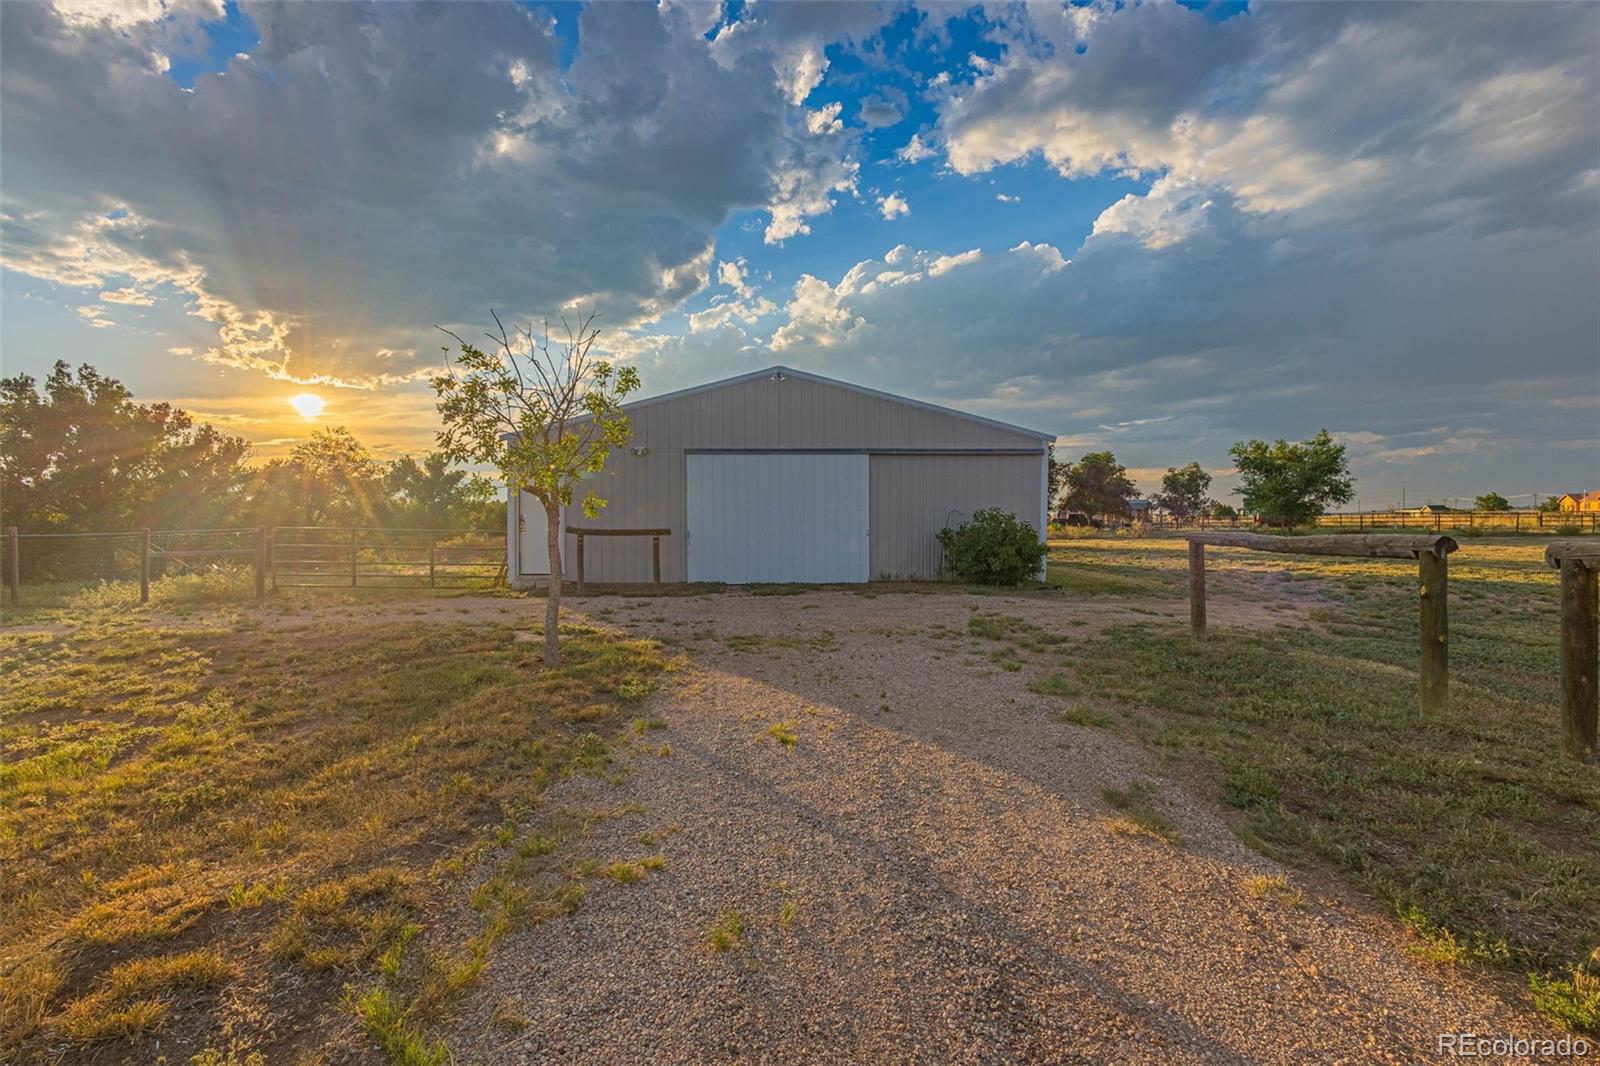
355,536
1580,647
1433,570
261,561
1197,589
14,561
144,565
655,562
433,540
580,564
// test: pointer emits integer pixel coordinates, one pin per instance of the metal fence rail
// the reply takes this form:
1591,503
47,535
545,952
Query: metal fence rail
62,566
367,557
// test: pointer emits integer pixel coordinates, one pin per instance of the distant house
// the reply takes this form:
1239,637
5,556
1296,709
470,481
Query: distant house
1580,501
1140,509
1425,510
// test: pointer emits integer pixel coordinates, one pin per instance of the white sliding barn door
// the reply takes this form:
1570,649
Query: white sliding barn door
778,516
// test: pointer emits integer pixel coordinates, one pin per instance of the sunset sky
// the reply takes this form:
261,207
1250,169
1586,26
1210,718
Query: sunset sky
1153,228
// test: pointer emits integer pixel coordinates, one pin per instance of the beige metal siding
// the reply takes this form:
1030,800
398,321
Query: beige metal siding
915,496
650,490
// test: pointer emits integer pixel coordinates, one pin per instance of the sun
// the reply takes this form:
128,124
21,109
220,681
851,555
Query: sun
308,405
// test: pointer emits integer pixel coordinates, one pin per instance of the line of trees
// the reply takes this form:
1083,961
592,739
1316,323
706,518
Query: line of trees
79,454
1285,483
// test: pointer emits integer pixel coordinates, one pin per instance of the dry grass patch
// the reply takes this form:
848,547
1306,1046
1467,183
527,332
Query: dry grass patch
1275,889
134,997
300,800
1141,818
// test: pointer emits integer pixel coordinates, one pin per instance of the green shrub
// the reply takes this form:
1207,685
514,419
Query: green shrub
995,548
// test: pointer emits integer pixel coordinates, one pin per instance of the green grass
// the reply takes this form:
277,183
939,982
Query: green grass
726,932
298,799
1275,889
1141,817
1469,825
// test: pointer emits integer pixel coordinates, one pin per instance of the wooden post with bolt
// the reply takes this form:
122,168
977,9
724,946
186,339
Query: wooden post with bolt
1579,564
1433,573
1197,589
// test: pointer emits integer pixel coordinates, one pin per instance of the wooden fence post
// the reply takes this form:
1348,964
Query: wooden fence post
14,560
144,565
432,541
580,564
1433,569
1197,589
355,535
261,561
1580,647
655,562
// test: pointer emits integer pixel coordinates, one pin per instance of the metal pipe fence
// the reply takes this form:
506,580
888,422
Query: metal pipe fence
102,568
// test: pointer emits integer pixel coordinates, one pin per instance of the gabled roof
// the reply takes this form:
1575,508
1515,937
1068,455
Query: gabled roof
803,375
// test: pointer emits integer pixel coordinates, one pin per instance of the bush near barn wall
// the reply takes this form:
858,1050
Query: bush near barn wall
995,548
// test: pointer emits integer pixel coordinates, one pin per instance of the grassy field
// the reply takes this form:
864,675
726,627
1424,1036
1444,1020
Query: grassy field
1469,825
249,832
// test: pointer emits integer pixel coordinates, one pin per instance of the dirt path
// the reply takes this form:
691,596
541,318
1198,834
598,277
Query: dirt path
927,874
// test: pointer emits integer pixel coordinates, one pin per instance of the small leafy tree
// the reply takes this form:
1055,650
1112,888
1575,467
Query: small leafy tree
1218,509
995,548
1291,484
1183,491
1491,501
545,419
1057,477
1099,485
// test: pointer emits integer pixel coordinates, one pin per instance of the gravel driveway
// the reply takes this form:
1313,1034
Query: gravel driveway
928,873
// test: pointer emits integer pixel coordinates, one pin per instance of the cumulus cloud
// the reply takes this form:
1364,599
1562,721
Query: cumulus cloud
893,206
322,203
915,150
733,275
1382,116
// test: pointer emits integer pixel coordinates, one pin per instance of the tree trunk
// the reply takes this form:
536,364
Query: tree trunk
552,599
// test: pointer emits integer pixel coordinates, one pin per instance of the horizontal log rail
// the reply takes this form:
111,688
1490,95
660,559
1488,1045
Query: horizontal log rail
1586,552
1579,563
1368,546
1431,552
655,536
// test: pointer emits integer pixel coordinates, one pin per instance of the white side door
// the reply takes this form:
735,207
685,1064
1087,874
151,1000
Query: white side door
778,516
533,546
